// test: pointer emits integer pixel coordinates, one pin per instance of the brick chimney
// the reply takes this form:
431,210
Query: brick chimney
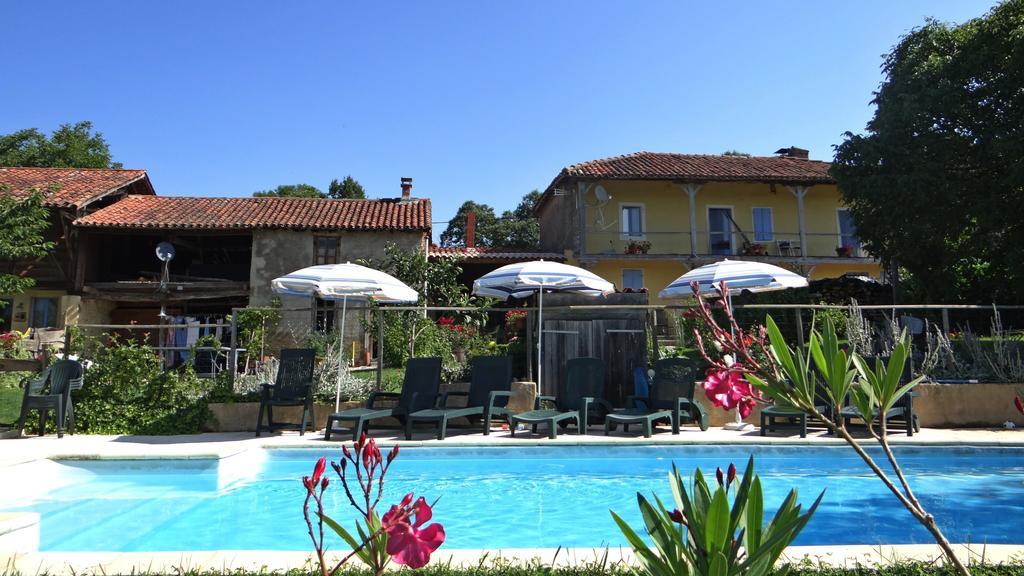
471,229
406,188
793,152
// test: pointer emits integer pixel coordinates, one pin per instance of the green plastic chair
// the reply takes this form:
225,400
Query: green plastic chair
490,387
52,391
670,398
419,392
580,396
786,417
292,387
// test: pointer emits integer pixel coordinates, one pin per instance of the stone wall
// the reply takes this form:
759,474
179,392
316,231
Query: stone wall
278,252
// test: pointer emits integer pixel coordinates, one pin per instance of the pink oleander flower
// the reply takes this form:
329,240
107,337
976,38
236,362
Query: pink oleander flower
408,543
728,390
1019,404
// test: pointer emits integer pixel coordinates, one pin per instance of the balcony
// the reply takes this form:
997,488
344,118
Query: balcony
783,246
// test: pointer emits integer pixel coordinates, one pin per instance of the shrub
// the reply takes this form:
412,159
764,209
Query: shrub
126,391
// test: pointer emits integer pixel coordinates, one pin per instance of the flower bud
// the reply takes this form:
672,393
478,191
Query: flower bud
324,483
1019,404
344,450
719,476
393,454
337,467
677,516
731,475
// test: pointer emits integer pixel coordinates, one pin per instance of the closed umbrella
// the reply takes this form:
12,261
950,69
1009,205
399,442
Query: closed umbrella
522,279
344,282
739,276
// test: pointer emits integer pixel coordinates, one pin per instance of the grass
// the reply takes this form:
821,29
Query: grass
10,404
390,379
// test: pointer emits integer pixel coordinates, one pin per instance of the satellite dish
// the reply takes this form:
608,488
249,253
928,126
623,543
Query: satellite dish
603,197
165,251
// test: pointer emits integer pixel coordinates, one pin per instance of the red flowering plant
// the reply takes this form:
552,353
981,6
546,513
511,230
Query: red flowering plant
398,535
458,334
1018,404
732,353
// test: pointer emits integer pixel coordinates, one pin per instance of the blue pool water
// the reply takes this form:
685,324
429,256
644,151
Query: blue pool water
503,497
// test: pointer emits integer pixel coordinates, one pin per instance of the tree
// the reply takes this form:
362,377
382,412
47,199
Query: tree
349,188
291,191
735,153
517,228
69,146
936,184
23,225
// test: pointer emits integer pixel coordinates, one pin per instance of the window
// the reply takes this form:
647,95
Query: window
326,249
632,221
44,313
633,279
720,235
324,316
763,228
848,231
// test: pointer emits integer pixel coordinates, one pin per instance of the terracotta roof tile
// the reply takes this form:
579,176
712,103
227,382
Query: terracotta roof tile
177,212
704,167
697,168
71,187
491,253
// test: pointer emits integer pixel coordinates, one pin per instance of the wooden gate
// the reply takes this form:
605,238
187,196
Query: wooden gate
620,342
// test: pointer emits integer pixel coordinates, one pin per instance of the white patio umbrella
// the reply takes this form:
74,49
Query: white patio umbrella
739,276
521,279
344,282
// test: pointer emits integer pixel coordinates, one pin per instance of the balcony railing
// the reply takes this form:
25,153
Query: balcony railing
779,245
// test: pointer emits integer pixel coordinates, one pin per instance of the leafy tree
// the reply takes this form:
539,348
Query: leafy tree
936,184
291,191
23,224
735,153
347,188
69,146
517,228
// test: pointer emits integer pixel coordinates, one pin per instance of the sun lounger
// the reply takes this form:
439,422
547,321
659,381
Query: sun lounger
489,390
580,396
419,391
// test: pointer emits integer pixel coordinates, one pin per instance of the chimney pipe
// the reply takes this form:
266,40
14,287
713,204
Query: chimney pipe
471,229
406,188
793,152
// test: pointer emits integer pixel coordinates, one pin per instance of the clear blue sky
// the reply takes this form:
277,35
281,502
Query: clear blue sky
474,100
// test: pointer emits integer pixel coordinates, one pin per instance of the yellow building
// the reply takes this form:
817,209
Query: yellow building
643,219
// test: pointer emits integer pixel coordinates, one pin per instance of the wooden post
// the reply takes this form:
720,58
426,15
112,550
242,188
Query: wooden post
652,326
529,347
945,321
800,328
380,347
800,192
691,192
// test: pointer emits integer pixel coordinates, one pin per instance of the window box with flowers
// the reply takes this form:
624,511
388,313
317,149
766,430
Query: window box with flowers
515,321
638,247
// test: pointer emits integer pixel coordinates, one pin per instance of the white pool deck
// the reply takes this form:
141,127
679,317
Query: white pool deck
27,561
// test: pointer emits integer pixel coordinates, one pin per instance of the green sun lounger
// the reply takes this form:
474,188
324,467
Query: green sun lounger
902,411
580,396
419,391
670,398
786,417
490,387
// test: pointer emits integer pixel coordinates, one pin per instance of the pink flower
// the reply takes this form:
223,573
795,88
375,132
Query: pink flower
677,516
1019,404
728,390
408,543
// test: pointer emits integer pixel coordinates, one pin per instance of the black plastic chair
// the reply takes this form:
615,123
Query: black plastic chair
292,387
52,391
419,392
490,387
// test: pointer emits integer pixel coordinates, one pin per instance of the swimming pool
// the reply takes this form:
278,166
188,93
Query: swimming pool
502,497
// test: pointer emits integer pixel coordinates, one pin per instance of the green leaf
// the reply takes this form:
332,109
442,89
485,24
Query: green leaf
719,531
719,565
755,515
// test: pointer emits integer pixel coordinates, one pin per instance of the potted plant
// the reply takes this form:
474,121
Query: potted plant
844,251
638,247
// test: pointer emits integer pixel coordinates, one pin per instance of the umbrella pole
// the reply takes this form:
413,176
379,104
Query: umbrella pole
738,424
540,338
341,355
